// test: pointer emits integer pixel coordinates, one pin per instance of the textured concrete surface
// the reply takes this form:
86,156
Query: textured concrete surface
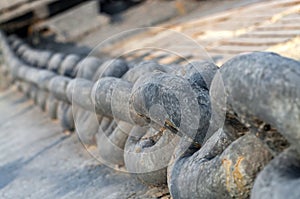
38,161
223,34
13,8
65,25
156,12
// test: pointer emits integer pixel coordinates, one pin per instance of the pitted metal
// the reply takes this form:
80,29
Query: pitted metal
262,91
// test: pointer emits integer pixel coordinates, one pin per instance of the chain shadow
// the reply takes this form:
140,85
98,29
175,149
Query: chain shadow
10,171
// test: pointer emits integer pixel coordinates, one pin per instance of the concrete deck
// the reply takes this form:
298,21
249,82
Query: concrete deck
38,161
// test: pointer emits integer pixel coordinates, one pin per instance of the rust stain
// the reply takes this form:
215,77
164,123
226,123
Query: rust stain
227,164
238,176
234,176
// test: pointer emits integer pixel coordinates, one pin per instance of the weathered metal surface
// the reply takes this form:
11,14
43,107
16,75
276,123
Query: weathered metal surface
139,115
279,178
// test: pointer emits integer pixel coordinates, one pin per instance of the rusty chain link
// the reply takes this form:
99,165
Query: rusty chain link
144,117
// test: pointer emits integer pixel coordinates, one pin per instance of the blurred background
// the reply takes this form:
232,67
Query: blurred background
223,27
39,162
64,20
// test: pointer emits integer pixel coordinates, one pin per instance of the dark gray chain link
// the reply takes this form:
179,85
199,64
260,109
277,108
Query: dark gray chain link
262,118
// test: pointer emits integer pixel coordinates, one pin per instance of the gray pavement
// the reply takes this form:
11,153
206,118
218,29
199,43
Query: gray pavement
38,161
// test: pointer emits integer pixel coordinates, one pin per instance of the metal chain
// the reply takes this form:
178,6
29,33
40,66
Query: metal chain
262,117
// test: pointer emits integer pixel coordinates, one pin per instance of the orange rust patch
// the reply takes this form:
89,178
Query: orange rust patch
234,175
237,175
227,164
